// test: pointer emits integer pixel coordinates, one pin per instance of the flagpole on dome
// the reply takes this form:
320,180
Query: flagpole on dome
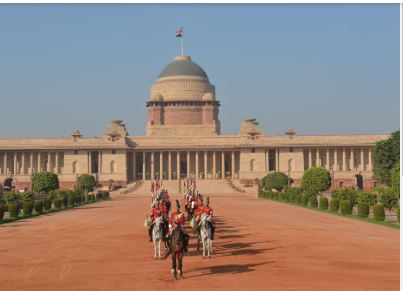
179,33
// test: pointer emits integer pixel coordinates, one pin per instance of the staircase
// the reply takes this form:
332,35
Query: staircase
231,184
132,187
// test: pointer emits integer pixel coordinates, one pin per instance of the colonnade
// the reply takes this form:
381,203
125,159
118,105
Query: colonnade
21,162
339,159
173,165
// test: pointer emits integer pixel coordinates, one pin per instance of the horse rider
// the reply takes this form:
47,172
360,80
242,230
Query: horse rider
155,213
178,219
209,212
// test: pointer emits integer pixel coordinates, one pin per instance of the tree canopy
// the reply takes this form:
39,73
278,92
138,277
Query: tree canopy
386,156
315,180
275,180
86,182
45,181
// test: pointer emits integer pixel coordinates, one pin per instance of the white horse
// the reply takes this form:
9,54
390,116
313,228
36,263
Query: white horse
157,237
205,234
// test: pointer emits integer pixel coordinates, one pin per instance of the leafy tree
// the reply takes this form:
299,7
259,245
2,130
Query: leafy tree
86,182
45,182
315,180
386,156
346,194
367,197
395,176
276,180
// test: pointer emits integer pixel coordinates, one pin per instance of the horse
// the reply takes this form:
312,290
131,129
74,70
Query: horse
205,234
177,244
158,236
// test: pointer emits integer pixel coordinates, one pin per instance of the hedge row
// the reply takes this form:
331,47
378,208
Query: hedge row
29,201
344,206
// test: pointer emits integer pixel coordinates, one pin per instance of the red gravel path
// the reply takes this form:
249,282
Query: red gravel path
259,245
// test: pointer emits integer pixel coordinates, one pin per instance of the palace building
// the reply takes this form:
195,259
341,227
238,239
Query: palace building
183,139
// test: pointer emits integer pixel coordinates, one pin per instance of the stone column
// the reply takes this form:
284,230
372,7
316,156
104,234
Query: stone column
48,165
15,163
100,161
188,163
152,166
178,165
89,162
344,160
309,158
205,165
222,165
214,165
318,164
39,162
134,166
31,163
335,163
23,163
277,160
327,159
4,163
161,165
351,159
144,165
233,164
369,159
57,162
169,166
362,164
197,165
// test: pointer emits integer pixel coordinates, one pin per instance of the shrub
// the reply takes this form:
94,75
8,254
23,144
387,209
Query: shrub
38,206
304,200
275,195
280,196
389,199
28,206
12,198
14,209
316,180
395,176
45,181
291,197
298,199
363,209
346,194
398,213
27,196
324,203
275,180
99,196
47,203
379,212
1,211
77,200
334,205
386,155
70,201
57,203
105,194
313,201
82,200
345,207
86,182
286,197
366,197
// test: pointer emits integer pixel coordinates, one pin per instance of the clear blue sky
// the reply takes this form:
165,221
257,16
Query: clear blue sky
321,69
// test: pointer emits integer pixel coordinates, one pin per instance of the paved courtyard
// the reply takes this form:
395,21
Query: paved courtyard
259,245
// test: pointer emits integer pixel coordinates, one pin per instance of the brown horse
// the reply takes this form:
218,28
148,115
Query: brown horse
177,244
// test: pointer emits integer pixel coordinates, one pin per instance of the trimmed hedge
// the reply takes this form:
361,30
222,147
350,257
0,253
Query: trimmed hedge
57,203
363,209
313,201
304,200
291,197
334,205
70,200
285,197
280,196
345,207
13,209
379,212
27,207
275,195
323,203
298,199
47,204
38,206
1,212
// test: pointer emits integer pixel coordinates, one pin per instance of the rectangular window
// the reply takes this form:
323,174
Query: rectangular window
341,184
291,150
76,152
113,152
252,150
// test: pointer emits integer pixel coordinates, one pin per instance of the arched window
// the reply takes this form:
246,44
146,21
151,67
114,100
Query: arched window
75,167
252,165
113,167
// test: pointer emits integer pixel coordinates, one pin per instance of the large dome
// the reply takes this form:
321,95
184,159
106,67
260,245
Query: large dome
183,66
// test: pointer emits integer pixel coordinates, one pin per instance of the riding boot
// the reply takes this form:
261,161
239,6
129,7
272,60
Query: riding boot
150,232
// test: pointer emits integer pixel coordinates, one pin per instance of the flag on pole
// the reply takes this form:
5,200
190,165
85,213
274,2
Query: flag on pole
179,32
